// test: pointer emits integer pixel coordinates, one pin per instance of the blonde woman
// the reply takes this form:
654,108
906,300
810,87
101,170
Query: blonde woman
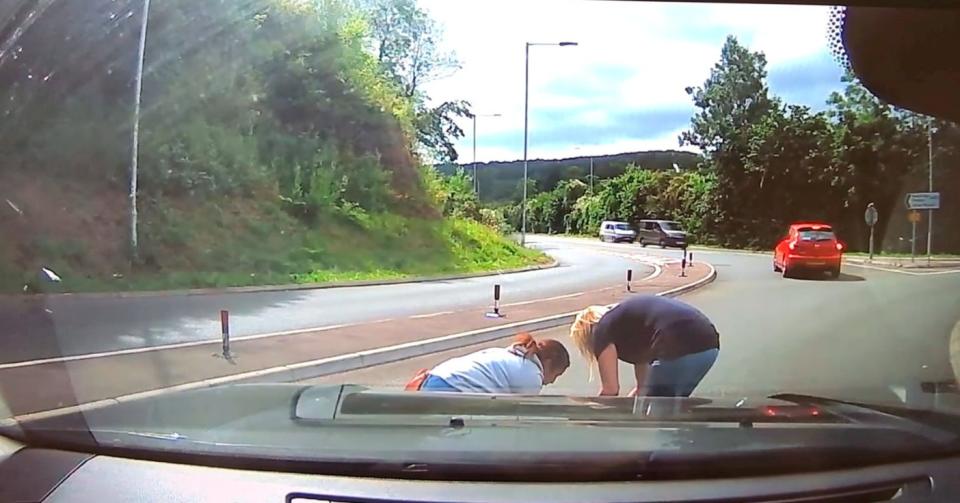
671,344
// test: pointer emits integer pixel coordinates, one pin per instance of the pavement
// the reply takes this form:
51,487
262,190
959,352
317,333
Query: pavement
874,335
919,262
100,379
69,325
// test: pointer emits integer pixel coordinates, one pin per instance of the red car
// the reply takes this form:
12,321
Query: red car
808,246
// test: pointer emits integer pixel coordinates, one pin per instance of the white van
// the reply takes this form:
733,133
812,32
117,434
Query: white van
614,231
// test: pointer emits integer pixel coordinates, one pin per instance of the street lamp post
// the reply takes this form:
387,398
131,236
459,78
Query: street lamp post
135,148
930,189
476,181
526,124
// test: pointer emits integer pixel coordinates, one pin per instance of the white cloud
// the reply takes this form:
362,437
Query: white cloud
632,56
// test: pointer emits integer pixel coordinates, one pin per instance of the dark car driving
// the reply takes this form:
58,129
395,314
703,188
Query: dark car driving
661,232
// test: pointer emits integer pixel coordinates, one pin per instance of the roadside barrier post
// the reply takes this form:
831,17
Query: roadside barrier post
629,279
225,332
496,304
683,267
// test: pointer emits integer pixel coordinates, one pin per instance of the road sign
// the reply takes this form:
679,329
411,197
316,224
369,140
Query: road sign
914,216
871,215
923,201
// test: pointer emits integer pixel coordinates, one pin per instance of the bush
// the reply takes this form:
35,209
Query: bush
495,219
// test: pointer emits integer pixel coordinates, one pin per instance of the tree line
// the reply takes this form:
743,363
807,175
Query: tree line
767,163
501,181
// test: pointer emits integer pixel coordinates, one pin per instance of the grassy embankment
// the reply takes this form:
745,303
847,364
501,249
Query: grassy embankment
248,243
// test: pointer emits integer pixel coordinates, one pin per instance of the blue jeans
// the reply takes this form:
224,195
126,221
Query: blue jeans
680,376
434,383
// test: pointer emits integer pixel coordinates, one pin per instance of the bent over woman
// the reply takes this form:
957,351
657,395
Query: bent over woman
522,368
671,344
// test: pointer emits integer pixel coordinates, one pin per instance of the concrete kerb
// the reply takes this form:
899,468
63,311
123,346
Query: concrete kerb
306,286
358,360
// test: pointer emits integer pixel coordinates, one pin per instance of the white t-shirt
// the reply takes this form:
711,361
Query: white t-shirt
494,370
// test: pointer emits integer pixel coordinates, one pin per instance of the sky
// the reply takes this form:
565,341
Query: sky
622,88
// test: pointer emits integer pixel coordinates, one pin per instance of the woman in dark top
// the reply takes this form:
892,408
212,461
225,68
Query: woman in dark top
671,344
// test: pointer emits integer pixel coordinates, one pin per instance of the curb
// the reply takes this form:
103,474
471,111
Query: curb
919,263
304,286
351,361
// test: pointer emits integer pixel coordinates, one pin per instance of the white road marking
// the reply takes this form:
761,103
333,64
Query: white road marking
431,315
657,270
558,297
88,356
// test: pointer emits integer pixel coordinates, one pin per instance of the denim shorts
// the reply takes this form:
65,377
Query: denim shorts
434,383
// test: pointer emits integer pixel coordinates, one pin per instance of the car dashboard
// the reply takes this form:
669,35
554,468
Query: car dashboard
44,475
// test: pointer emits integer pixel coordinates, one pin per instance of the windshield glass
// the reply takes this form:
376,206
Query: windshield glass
204,195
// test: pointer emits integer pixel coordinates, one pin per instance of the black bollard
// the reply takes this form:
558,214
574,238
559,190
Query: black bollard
629,279
225,332
496,304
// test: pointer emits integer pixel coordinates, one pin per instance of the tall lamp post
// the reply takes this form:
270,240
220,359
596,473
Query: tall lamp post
135,148
476,181
526,123
930,189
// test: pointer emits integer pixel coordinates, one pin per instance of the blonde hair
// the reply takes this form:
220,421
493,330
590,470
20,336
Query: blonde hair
582,333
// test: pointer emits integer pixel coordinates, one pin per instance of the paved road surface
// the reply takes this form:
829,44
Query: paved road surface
83,325
871,335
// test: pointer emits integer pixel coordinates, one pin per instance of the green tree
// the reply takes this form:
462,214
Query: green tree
407,43
731,101
876,148
437,129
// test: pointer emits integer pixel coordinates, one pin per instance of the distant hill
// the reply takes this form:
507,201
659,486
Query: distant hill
500,180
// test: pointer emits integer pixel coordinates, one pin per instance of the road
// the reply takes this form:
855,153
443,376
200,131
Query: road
871,335
78,325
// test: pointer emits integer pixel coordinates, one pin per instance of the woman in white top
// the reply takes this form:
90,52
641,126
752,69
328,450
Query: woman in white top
523,368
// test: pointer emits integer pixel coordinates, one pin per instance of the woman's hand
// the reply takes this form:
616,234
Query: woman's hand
640,372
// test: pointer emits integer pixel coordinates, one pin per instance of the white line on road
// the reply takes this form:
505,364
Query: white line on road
431,315
131,351
657,270
558,297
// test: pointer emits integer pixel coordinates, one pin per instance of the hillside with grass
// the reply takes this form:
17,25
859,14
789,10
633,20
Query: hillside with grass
280,141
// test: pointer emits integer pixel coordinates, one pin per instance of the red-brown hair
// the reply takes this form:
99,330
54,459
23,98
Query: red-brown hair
550,351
